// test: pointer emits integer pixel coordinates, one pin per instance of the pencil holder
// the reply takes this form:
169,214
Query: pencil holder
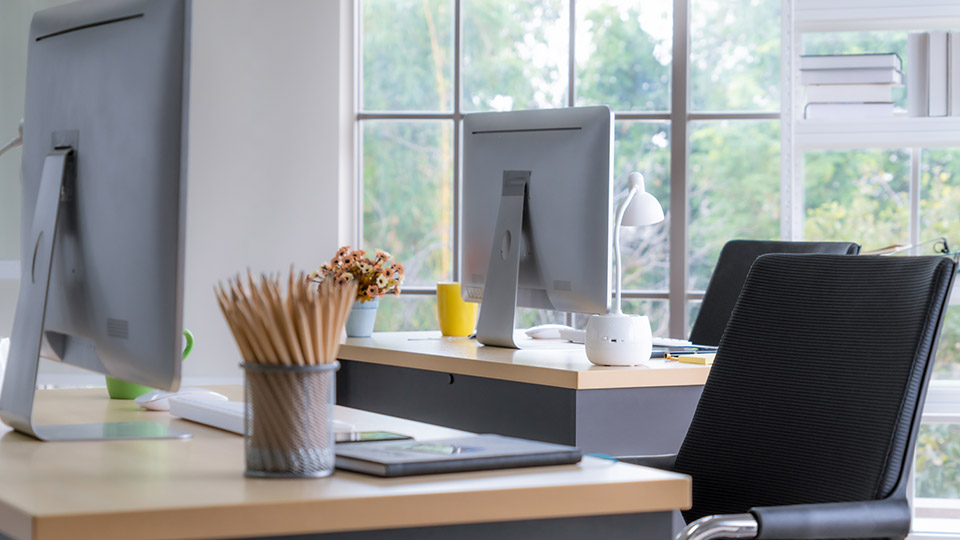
288,430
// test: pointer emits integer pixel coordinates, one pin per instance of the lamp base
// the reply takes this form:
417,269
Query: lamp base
618,340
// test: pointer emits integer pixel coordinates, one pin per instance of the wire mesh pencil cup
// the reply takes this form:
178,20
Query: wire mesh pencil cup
288,431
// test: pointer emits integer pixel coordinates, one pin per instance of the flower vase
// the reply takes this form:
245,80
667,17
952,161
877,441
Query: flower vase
362,317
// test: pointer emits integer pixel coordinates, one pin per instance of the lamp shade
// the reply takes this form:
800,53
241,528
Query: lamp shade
644,208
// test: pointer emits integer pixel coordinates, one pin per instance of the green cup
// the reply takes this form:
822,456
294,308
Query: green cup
127,390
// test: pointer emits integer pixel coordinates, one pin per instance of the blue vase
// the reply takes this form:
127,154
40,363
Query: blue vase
362,317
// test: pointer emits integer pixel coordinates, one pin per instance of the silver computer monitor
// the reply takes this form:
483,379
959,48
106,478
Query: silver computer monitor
564,158
103,208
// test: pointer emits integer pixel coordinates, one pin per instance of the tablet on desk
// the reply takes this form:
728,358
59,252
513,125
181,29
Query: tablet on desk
461,454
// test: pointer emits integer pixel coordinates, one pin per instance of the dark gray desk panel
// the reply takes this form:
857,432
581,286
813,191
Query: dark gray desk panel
653,526
464,402
618,421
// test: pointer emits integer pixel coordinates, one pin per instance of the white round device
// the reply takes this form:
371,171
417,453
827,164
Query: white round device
618,340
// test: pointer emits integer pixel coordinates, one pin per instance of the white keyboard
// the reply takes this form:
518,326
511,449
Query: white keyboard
578,336
226,415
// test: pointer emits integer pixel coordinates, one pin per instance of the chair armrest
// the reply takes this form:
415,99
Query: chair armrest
863,519
659,461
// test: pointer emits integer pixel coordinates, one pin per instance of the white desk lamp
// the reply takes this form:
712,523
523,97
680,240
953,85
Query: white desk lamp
616,339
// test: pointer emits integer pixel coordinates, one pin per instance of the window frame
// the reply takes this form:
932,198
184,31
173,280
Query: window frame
678,117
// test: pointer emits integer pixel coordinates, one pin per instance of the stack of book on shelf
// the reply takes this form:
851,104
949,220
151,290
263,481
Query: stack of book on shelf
850,86
933,84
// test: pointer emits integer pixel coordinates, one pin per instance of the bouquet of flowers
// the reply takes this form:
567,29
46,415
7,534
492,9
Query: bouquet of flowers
375,277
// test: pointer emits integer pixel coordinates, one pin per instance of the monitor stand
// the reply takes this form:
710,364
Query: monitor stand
20,380
499,306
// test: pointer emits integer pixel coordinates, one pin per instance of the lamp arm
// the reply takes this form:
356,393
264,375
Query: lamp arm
14,143
621,209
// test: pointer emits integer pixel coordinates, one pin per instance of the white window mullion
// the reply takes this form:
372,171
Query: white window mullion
679,149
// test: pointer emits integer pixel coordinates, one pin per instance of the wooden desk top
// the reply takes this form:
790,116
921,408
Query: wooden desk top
196,488
545,362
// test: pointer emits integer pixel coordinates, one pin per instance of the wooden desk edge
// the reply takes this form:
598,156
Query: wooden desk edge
296,517
574,380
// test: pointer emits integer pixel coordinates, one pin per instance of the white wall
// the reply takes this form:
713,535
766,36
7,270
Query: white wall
269,154
265,143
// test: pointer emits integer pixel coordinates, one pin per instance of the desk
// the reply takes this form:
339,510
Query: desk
550,393
196,489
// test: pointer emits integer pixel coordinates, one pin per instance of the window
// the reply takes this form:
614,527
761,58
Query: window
424,64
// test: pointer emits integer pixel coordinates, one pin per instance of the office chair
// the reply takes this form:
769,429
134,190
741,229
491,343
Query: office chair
730,272
807,424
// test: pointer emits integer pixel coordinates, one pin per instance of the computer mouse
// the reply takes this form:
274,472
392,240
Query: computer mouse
546,331
159,400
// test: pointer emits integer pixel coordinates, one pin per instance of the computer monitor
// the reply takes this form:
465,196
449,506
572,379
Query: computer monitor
103,209
536,206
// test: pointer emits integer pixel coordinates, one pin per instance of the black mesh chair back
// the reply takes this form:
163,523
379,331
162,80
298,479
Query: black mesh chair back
730,272
817,387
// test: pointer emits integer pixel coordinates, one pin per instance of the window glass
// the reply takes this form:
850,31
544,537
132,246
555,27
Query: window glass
408,195
624,51
857,196
939,217
645,147
407,55
735,55
693,309
860,43
407,312
658,311
515,54
734,179
937,497
938,466
527,317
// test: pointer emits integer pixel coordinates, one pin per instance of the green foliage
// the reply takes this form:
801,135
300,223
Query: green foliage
408,55
507,60
621,69
406,312
938,461
858,196
735,55
645,146
407,195
734,177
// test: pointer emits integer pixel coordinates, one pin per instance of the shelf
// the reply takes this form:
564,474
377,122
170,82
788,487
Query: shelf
857,15
899,132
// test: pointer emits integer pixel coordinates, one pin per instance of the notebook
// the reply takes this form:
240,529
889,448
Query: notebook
472,453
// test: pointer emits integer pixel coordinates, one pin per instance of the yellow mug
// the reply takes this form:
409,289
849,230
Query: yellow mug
457,318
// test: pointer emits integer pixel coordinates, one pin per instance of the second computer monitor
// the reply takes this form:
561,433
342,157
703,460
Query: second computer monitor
565,249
